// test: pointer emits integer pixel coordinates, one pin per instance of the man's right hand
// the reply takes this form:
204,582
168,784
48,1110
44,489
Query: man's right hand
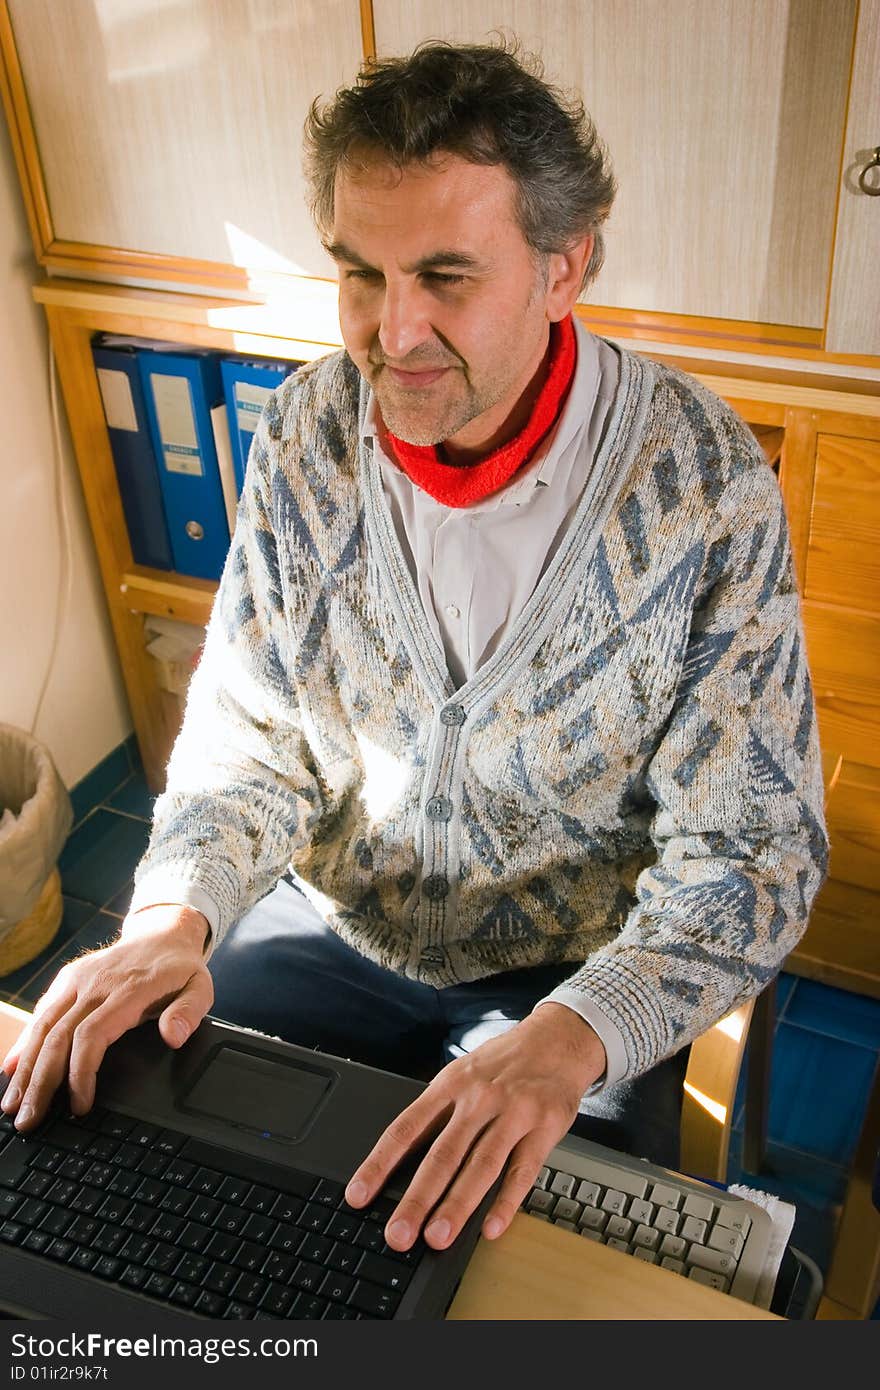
155,968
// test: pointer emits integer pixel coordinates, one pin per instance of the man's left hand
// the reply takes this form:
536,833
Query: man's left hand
507,1102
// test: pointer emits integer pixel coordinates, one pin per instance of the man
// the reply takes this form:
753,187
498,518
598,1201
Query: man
506,664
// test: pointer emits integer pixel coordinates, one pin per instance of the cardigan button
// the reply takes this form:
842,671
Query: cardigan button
436,887
433,955
452,716
438,808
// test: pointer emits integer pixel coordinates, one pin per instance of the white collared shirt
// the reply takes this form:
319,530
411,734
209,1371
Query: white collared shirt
476,567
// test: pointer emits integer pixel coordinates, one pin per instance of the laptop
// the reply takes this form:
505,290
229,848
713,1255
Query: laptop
208,1182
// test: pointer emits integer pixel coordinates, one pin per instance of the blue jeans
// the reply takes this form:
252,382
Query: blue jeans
284,972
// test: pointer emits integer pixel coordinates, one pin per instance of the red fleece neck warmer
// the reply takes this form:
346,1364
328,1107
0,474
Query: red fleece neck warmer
459,486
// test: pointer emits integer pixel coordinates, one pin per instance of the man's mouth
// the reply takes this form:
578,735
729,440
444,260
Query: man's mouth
422,378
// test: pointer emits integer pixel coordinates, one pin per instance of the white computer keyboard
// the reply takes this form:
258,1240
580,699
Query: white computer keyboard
658,1216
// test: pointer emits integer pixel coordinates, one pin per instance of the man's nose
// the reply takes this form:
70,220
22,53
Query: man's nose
405,323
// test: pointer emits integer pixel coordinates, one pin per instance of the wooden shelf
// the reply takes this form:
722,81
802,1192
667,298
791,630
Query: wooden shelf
168,595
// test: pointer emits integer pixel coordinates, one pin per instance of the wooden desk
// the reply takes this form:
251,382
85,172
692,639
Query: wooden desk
537,1272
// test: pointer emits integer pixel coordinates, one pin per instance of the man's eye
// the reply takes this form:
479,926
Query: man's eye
362,275
438,278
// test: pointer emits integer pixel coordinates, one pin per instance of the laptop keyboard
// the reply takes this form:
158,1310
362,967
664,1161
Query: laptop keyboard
180,1221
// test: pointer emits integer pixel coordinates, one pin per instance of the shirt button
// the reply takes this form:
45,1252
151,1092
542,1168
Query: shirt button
452,716
432,955
438,808
436,887
452,610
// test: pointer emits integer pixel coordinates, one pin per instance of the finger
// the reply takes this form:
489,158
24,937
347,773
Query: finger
482,1167
59,996
184,1014
101,1027
44,1066
525,1161
412,1127
432,1178
26,1049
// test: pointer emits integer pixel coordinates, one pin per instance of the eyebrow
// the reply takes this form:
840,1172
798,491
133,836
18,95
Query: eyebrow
454,259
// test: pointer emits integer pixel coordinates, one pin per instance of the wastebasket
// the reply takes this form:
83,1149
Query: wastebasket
35,817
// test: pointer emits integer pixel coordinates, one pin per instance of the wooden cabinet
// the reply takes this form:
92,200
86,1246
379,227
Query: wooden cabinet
161,145
822,434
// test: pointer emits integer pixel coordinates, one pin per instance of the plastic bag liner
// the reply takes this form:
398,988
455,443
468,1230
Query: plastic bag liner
35,817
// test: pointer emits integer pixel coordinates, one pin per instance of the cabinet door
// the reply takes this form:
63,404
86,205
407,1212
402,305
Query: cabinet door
170,133
724,123
854,310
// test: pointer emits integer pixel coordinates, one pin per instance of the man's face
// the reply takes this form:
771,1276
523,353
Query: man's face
443,305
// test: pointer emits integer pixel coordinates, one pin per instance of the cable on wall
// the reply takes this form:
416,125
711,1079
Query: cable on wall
65,566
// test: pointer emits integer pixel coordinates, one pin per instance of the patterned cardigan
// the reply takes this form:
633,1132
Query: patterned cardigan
631,783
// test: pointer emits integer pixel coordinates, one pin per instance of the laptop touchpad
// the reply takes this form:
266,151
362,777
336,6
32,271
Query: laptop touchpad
252,1091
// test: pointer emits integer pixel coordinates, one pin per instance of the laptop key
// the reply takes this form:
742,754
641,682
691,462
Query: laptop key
109,1239
233,1190
166,1227
259,1227
307,1277
387,1273
178,1201
344,1226
249,1256
370,1237
57,1221
287,1208
134,1276
328,1193
61,1192
221,1247
203,1210
169,1142
287,1238
136,1249
184,1294
249,1288
179,1172
193,1268
140,1218
277,1300
337,1286
261,1200
279,1267
211,1304
83,1258
36,1240
107,1267
220,1278
159,1285
113,1208
344,1258
88,1199
123,1182
84,1229
206,1181
60,1249
12,1233
143,1134
368,1298
194,1236
313,1217
315,1249
8,1202
238,1310
14,1162
309,1307
117,1126
162,1258
153,1165
36,1184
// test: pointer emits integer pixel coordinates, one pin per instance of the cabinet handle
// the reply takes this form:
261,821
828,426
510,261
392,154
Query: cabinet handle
872,190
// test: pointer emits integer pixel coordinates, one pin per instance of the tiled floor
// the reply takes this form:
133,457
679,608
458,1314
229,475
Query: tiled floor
826,1045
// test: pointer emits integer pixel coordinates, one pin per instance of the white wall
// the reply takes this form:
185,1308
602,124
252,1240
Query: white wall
84,714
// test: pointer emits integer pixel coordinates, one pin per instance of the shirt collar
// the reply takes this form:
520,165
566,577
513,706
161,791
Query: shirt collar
540,469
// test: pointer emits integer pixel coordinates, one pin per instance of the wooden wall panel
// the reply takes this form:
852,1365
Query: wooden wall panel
724,123
175,128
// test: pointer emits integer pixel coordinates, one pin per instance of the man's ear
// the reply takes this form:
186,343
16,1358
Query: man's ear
566,274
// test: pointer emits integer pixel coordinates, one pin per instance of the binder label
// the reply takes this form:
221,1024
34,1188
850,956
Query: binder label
249,402
177,424
117,398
